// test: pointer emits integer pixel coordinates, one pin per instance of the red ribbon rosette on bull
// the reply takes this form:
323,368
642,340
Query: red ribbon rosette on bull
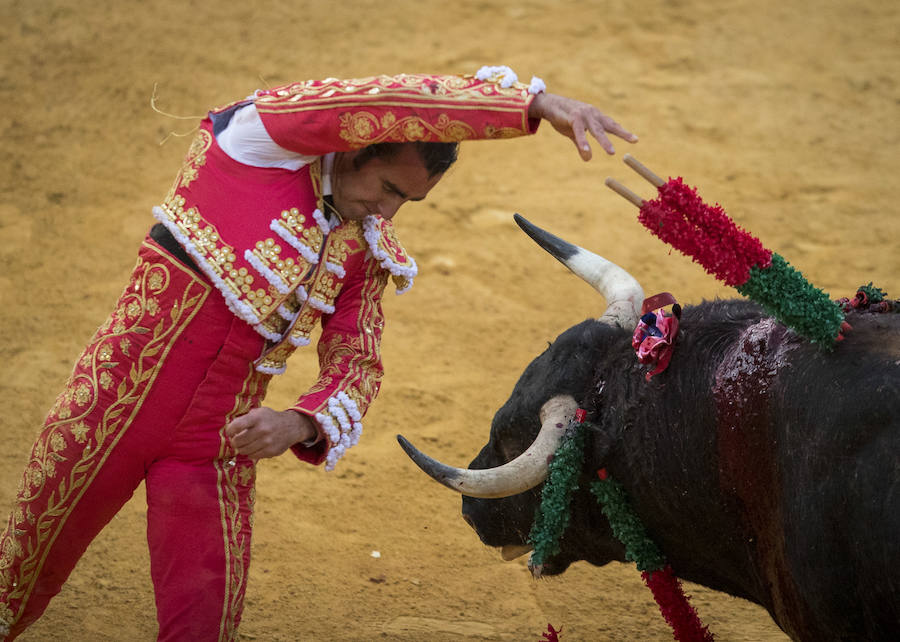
654,337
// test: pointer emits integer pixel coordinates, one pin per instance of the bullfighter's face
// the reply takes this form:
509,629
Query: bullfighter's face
380,185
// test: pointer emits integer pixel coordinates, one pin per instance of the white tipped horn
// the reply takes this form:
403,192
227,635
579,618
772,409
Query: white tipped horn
624,295
522,473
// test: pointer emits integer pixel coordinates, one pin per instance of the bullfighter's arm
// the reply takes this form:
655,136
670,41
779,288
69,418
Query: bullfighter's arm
350,368
321,116
300,121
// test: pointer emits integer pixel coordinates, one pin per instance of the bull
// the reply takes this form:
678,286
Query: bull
763,465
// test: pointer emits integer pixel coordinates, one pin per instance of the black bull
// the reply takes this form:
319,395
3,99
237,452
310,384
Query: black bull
762,465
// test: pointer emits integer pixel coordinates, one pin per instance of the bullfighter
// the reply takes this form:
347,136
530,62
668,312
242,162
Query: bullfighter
279,219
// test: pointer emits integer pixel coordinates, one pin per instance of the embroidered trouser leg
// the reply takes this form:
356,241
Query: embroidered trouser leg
200,501
150,395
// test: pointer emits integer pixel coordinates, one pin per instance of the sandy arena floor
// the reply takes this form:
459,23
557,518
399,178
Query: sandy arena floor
786,113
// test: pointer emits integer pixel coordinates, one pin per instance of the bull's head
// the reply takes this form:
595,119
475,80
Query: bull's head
508,470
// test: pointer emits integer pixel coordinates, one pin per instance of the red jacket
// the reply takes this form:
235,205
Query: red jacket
259,234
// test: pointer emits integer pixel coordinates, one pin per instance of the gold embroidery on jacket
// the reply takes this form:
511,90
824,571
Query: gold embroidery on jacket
274,324
193,161
80,433
325,288
276,358
363,128
352,362
220,258
293,223
443,90
305,323
287,270
344,240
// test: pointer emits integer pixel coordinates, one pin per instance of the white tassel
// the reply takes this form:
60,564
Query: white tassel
320,219
320,305
268,334
285,234
333,434
268,274
507,76
335,269
372,234
299,342
343,409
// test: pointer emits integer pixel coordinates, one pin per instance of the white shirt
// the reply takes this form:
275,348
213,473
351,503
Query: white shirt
246,140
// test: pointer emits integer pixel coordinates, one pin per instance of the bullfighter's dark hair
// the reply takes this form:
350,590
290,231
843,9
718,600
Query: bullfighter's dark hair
437,157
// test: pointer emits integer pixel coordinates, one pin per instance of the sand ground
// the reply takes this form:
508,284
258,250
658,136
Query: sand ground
786,113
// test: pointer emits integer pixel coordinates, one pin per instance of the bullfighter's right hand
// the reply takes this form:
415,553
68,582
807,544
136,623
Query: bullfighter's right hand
572,118
264,432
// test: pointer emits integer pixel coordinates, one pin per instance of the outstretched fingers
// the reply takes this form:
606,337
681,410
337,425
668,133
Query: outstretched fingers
574,119
600,126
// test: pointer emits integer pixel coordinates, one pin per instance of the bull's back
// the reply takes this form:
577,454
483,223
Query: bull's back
838,414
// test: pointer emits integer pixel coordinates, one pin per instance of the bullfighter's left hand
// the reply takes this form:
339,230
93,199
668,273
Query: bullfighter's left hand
264,432
573,118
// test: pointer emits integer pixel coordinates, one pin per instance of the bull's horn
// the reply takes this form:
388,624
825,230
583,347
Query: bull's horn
624,295
522,473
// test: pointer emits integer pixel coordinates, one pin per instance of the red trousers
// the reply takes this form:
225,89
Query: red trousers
147,401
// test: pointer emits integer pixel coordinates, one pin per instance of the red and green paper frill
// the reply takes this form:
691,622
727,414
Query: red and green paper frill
552,519
552,516
707,234
642,550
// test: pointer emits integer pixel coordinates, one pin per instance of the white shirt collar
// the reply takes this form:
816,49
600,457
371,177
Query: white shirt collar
327,167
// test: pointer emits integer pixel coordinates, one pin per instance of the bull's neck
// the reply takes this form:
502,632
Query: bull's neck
701,472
